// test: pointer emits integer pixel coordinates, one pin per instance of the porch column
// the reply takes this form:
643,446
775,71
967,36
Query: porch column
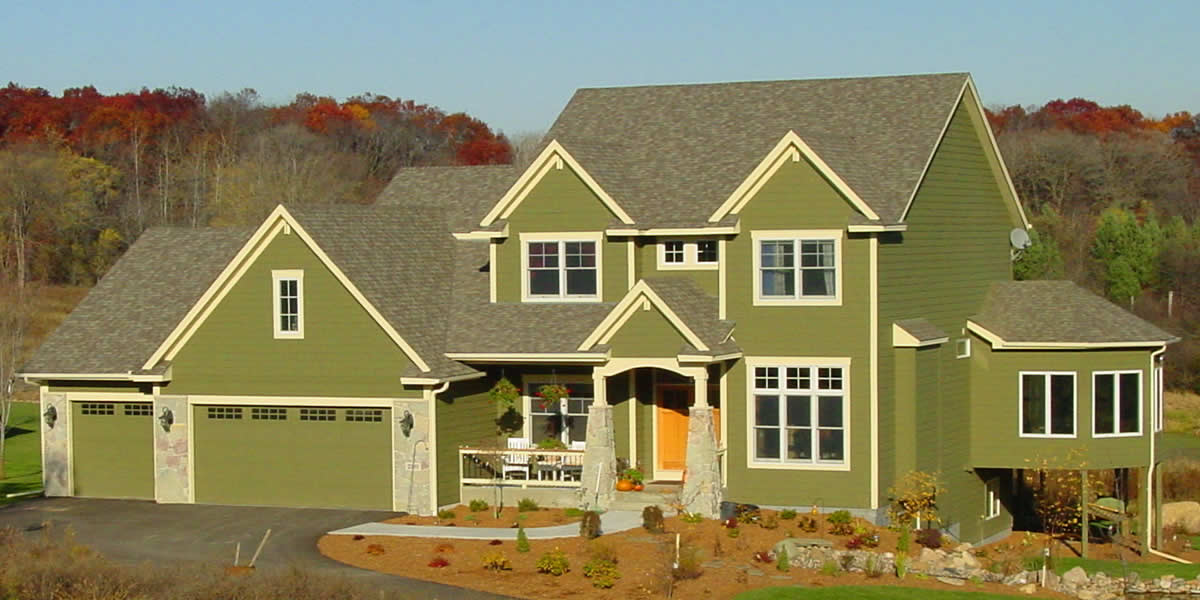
598,488
702,479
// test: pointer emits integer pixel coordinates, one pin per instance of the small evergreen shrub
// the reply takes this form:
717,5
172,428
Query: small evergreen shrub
904,539
652,519
553,563
783,563
769,522
831,568
692,517
808,524
901,564
478,505
733,532
527,505
522,540
787,514
690,560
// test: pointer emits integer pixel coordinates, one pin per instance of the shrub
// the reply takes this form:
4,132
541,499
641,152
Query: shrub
692,517
471,518
914,497
901,564
840,522
652,519
730,523
733,532
478,505
769,522
589,527
831,568
689,563
787,514
602,572
446,515
553,563
783,563
495,543
750,515
903,539
862,540
527,505
930,538
375,550
808,524
873,568
522,540
1033,563
496,561
439,562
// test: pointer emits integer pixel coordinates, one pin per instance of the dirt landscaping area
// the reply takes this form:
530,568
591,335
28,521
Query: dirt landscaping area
714,561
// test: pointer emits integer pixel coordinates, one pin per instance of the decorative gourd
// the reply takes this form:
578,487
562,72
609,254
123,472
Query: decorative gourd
637,487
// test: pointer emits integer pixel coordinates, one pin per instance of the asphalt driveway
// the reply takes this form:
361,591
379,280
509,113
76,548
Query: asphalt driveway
136,531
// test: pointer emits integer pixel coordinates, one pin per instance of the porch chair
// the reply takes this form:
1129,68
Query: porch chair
517,462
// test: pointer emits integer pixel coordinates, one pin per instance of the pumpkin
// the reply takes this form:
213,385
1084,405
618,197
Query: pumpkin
624,485
637,487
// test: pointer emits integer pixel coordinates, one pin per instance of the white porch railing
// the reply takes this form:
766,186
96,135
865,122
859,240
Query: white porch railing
531,467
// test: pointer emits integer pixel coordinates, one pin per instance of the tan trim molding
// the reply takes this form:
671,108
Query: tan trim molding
999,343
31,377
552,157
792,147
516,357
876,228
660,231
482,235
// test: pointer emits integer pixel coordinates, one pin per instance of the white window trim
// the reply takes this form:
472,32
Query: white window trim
527,397
797,235
962,348
565,236
691,255
1160,405
991,498
1021,405
1117,405
799,361
278,275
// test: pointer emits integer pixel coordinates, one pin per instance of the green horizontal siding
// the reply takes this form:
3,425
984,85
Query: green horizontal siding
647,333
465,417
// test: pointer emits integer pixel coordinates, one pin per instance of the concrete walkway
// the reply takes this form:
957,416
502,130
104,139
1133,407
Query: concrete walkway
610,522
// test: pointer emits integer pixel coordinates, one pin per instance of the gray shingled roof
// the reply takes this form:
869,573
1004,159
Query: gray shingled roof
921,329
670,155
1060,312
696,309
137,304
467,193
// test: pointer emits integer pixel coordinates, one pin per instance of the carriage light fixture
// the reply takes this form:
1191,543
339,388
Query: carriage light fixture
50,416
406,423
166,419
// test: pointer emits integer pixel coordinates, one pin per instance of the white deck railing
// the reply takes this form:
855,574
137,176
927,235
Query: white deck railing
531,467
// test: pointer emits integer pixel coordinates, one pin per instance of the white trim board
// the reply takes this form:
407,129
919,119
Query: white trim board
999,343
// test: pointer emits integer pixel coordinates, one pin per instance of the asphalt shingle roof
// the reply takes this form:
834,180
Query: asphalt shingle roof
466,193
137,304
1060,312
696,309
921,329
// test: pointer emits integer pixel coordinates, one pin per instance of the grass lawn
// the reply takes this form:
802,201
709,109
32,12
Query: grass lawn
866,592
1113,568
23,459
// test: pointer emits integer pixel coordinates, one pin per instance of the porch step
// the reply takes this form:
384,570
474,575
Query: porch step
660,495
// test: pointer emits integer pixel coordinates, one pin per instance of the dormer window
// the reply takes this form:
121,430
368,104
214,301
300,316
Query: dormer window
561,269
687,254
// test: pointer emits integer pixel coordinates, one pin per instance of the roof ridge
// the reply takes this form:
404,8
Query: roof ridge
769,81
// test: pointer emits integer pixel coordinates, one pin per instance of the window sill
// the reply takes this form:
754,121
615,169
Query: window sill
687,266
560,299
799,466
1058,436
279,335
1116,435
818,301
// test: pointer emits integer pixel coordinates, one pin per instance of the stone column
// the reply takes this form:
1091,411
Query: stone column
597,490
412,483
56,446
702,483
172,480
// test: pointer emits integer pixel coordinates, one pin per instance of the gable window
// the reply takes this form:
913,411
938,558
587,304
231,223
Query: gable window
1116,403
565,420
681,254
561,269
800,415
797,267
1047,404
288,303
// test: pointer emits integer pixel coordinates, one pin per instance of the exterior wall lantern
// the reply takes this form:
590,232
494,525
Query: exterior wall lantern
50,416
406,423
166,419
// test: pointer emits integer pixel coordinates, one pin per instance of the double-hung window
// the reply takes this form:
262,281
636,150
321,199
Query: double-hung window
800,415
797,267
564,269
1116,403
1047,404
288,303
565,420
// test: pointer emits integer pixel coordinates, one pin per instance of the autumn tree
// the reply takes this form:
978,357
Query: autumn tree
14,324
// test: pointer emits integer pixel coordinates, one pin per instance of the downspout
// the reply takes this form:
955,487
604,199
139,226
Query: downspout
1148,500
431,441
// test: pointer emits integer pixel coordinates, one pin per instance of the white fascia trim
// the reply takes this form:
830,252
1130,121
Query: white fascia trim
792,147
704,358
552,157
660,231
999,343
1116,404
296,401
1049,417
877,228
792,235
903,339
486,357
438,381
278,220
31,377
482,235
625,309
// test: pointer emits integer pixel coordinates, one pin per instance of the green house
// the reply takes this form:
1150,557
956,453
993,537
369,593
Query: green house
785,293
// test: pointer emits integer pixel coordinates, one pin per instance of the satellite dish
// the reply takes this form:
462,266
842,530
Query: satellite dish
1019,239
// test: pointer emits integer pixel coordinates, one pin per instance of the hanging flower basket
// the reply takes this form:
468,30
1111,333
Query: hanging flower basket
551,393
504,394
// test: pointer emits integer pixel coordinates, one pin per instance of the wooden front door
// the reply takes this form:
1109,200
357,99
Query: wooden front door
672,408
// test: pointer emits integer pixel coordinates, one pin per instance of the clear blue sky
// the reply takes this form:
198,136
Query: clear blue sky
515,64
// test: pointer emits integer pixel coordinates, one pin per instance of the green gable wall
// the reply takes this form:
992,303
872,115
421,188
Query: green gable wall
560,202
465,416
647,333
995,439
798,197
344,351
939,269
